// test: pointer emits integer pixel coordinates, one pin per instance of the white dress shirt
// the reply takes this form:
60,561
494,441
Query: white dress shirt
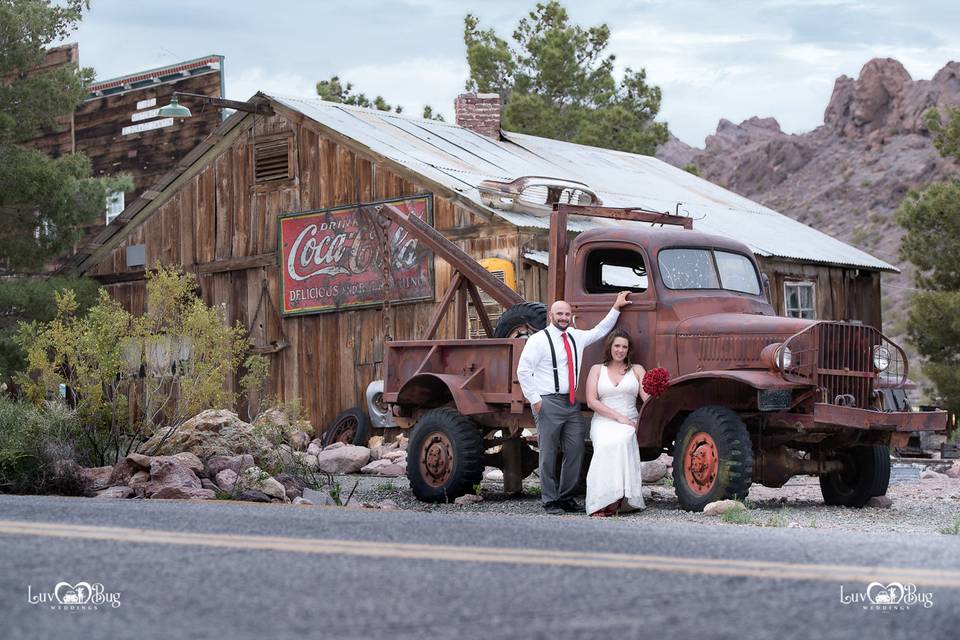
535,369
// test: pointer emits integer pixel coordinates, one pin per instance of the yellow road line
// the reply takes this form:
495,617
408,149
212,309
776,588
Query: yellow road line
505,555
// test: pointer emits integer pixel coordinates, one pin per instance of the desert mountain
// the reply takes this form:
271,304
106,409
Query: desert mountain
848,176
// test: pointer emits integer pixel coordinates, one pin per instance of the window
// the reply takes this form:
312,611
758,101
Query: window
799,300
114,205
708,269
737,272
614,270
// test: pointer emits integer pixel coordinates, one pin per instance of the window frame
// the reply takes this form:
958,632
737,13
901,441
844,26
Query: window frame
586,282
813,299
716,270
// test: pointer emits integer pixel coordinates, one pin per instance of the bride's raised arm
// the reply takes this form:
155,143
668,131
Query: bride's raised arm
593,399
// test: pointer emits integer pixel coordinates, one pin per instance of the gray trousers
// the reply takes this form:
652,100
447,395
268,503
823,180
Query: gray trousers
560,427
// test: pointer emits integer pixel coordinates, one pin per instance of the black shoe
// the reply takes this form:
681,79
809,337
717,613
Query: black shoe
554,509
570,505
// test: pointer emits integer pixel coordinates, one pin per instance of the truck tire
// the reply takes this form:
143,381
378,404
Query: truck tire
350,427
866,474
521,320
712,458
445,456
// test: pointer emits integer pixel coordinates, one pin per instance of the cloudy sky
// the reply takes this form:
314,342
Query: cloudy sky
712,59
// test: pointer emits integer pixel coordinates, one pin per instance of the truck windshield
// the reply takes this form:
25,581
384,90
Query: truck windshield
708,269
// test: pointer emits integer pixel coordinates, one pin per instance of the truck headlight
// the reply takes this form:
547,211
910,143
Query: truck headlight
881,358
786,355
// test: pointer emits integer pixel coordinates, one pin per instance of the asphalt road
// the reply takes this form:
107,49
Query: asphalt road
235,571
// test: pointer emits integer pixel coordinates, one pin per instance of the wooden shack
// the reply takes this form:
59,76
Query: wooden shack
217,214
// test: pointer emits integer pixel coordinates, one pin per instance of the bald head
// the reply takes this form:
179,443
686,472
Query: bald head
560,315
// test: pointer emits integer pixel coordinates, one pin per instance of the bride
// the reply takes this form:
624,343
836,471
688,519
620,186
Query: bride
613,480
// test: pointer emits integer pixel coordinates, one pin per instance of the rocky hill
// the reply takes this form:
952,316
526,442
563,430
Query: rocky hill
848,176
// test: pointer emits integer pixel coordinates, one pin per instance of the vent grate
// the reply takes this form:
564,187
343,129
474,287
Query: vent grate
271,160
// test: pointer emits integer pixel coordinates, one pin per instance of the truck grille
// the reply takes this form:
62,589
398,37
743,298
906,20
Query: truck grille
838,358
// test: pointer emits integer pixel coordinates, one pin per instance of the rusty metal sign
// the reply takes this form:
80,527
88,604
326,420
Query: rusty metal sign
332,259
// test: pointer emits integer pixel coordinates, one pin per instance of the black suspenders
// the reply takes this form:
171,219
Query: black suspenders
553,356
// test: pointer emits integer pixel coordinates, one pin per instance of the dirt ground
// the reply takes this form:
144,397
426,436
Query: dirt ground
928,506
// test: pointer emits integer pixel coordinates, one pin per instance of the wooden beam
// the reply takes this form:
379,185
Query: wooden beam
461,329
238,264
558,254
441,308
481,310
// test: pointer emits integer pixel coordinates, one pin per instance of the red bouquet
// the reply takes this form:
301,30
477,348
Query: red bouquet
655,381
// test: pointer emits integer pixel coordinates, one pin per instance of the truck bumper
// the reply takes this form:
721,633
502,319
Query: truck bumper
835,415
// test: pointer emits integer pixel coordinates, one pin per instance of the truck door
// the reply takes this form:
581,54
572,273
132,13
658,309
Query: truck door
599,271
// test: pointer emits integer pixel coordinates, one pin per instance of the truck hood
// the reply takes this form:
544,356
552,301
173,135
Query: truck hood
732,324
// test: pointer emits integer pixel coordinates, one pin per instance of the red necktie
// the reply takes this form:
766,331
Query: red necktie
570,381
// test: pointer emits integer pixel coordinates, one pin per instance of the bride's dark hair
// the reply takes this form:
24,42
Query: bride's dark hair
608,347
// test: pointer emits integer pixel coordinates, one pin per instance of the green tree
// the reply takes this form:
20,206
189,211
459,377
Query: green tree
556,80
44,202
931,218
336,90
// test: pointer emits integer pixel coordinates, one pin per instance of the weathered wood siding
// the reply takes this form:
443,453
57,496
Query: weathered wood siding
840,293
221,216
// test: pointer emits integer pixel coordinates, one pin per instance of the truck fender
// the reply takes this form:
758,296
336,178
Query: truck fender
692,391
430,390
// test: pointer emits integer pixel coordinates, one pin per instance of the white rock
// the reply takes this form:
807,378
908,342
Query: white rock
375,441
314,448
318,497
115,492
388,505
255,478
930,474
343,459
227,479
880,502
720,507
395,455
470,498
301,500
493,474
374,467
954,470
652,471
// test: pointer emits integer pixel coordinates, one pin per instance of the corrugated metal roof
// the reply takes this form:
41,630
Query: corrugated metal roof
460,159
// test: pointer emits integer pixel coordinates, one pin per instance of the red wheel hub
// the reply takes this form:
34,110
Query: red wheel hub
436,459
701,463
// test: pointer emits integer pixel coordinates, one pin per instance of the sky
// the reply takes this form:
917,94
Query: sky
711,59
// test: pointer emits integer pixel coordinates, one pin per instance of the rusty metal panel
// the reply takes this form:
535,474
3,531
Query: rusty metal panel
835,415
330,259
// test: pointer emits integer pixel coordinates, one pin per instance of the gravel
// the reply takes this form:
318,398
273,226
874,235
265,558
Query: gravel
919,506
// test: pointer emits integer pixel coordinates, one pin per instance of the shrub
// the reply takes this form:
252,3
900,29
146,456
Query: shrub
39,448
126,376
737,515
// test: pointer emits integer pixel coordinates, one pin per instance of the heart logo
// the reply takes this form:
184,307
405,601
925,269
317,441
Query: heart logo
889,594
79,593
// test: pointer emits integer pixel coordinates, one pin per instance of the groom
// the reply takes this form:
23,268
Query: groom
548,370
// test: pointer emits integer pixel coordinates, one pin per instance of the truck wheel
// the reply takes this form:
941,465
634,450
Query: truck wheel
712,458
350,427
445,456
521,320
866,473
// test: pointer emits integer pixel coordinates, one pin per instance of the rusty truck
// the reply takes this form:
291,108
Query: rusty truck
752,396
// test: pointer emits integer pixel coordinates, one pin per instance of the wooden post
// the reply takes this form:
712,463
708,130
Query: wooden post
557,272
462,310
512,464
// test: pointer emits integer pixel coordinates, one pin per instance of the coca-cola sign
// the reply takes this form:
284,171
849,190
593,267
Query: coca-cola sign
334,258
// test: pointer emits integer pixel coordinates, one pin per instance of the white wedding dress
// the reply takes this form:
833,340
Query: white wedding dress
615,468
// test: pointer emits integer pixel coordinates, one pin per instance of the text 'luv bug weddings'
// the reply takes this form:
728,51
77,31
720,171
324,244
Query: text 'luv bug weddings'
334,258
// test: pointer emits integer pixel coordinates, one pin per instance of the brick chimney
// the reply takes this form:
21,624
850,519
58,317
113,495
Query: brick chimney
479,112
